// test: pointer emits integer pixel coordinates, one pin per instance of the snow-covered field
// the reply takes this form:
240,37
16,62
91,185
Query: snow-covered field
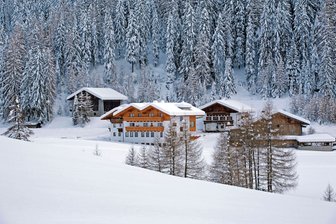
57,179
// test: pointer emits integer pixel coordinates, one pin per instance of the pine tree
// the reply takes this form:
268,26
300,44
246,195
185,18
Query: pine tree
76,68
284,20
327,73
228,27
132,41
228,85
194,164
329,194
156,37
143,158
219,168
172,151
18,130
188,41
120,27
13,69
75,111
239,21
218,51
132,158
250,67
278,174
292,69
109,55
156,160
203,50
170,63
82,109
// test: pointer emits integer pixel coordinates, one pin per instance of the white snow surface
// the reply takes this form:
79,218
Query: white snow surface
232,104
57,179
315,138
286,113
101,93
172,109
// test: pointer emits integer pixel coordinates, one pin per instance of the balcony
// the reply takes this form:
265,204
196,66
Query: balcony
116,121
143,129
219,119
143,119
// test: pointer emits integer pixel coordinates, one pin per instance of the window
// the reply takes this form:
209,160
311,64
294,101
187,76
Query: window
151,125
114,134
131,134
139,115
160,114
126,134
192,124
161,134
145,124
181,118
151,114
152,134
114,125
181,128
147,134
142,134
119,134
159,124
132,124
136,134
131,115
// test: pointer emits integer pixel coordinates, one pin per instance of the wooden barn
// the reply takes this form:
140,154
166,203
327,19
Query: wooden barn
286,127
103,99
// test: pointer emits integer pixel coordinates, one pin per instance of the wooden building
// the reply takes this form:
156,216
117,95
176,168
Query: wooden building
222,115
316,142
103,99
284,128
142,123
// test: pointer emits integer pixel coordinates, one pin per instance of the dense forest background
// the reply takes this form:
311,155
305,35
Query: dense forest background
167,49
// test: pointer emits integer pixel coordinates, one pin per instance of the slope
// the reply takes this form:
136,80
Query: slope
61,181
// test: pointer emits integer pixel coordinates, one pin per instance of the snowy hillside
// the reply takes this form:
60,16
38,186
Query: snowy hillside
61,181
57,179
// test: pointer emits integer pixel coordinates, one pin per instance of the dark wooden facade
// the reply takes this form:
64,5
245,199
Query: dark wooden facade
99,106
218,117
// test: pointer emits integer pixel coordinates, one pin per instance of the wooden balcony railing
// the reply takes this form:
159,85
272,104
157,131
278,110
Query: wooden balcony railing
220,119
143,119
116,121
149,129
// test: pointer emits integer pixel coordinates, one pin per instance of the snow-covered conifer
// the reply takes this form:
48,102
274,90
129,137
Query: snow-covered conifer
132,41
132,157
109,52
18,130
329,194
203,50
218,53
143,158
229,87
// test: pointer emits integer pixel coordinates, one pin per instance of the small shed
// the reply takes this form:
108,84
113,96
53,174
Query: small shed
316,142
103,99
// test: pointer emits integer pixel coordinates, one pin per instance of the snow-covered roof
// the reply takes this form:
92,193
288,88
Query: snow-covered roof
101,93
293,116
172,109
232,104
315,138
